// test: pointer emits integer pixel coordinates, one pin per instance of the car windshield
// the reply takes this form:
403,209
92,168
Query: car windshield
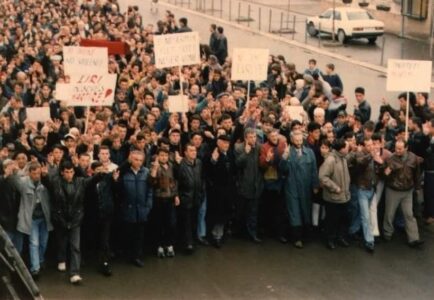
358,15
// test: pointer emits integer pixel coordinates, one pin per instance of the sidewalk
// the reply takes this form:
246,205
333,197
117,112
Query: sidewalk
292,26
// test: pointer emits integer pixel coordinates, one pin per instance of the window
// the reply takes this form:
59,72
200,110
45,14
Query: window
416,9
326,15
358,15
337,16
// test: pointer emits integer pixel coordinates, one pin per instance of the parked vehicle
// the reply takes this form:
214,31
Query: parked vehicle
350,23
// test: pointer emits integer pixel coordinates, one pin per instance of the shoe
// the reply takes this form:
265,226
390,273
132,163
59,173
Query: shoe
61,267
203,241
255,239
387,238
355,237
282,239
298,245
160,252
138,263
42,266
416,244
35,275
369,247
75,279
331,245
170,252
189,249
217,243
429,221
106,270
343,243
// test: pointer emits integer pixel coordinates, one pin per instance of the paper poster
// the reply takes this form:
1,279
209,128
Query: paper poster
250,64
88,91
85,60
178,104
409,75
38,114
177,49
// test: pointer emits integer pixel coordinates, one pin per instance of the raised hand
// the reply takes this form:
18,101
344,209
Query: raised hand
215,155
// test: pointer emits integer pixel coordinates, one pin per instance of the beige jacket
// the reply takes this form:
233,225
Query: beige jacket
334,177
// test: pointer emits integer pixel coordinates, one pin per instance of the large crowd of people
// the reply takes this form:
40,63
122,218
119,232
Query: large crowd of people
135,174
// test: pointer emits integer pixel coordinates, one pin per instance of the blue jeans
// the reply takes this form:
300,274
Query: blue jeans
354,211
16,238
37,243
365,198
201,221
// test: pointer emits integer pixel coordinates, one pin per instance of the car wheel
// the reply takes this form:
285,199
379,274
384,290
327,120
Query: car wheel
311,30
372,40
342,37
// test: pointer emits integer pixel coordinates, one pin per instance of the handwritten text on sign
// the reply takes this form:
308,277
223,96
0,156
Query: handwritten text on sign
178,49
250,64
85,60
87,93
409,75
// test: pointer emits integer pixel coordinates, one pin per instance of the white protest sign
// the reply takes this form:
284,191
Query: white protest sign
38,114
178,104
85,60
409,75
177,49
87,92
250,64
295,112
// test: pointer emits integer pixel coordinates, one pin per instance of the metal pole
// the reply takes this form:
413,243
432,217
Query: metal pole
189,3
212,6
287,21
293,26
239,12
289,5
382,50
248,15
305,34
248,94
333,24
230,10
259,17
402,21
221,8
406,116
319,35
269,21
281,23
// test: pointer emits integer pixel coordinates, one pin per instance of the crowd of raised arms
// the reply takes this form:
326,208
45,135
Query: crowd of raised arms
137,175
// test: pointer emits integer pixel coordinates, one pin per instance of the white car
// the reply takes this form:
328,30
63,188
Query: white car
349,23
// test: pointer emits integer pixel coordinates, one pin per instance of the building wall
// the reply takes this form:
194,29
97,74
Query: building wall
420,29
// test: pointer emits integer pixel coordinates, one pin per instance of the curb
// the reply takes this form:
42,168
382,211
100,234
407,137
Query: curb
365,65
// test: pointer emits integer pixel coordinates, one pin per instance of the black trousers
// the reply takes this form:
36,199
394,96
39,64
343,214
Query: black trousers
273,215
135,239
104,240
165,221
69,237
336,220
247,215
188,221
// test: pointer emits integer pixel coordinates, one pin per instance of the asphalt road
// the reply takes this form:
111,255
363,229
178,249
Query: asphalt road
242,270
